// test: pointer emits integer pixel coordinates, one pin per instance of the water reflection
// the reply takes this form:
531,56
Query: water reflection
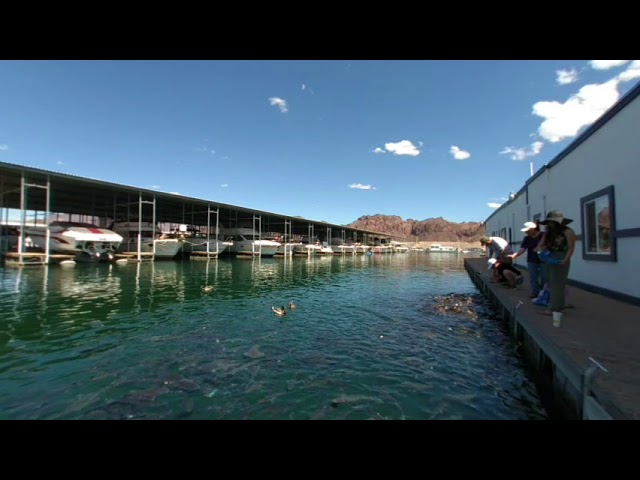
366,340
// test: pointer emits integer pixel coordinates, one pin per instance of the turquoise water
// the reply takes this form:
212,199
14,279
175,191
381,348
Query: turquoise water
366,341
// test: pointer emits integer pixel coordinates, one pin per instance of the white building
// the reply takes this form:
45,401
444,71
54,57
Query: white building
596,182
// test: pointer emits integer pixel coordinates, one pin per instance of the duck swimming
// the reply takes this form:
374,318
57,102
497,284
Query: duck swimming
280,312
207,289
292,306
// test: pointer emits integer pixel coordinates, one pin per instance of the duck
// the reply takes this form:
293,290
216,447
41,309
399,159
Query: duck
207,289
292,306
280,312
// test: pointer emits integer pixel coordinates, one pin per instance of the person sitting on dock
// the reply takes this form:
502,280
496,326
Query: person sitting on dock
505,272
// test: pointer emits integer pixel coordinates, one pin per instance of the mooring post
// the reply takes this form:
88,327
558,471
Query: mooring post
587,378
515,320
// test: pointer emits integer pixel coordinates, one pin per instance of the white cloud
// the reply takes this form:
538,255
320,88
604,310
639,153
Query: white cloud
4,147
379,150
224,185
606,64
459,154
360,186
536,148
281,103
493,205
420,144
565,77
59,163
563,120
523,152
206,150
303,86
405,147
631,73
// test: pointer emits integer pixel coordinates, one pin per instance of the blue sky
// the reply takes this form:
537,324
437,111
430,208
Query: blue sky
326,140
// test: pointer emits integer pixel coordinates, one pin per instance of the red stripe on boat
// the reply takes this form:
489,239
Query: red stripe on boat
94,230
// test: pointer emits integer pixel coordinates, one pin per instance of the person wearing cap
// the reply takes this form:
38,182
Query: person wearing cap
536,268
560,241
498,248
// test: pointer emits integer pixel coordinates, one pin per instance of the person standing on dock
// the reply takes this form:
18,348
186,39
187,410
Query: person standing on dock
560,241
537,270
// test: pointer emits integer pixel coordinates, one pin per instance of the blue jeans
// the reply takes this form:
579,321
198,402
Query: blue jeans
537,277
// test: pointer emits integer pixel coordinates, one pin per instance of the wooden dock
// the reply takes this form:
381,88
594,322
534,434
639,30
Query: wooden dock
133,256
16,259
247,254
199,255
591,363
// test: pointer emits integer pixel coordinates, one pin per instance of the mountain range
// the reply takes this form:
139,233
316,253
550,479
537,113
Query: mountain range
429,230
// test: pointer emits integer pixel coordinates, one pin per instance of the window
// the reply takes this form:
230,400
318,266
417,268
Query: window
597,214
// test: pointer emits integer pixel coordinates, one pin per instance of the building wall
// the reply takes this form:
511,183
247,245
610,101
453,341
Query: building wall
610,156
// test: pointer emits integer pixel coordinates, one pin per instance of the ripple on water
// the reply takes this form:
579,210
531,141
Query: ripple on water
366,341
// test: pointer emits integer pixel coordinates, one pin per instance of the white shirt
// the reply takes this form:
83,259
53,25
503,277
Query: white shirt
497,246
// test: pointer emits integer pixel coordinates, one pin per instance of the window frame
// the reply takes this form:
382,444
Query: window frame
612,256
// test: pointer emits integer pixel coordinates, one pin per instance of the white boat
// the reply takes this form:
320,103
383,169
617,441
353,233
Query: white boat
86,241
344,249
200,245
195,241
246,241
325,249
362,249
287,248
441,249
150,235
399,247
308,249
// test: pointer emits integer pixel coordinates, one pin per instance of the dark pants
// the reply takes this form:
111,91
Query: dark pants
557,282
507,266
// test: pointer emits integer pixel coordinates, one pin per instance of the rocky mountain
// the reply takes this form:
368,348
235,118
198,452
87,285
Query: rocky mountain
429,230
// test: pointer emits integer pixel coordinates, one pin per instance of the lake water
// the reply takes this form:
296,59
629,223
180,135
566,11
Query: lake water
368,339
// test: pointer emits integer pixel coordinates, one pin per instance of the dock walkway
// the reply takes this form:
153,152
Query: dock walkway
605,329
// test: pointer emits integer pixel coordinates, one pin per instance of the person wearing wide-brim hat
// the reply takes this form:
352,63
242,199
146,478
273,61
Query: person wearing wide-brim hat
560,241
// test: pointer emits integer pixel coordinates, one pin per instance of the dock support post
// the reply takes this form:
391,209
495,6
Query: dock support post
589,406
46,216
515,319
140,227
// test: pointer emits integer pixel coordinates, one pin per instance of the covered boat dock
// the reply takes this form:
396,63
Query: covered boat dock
45,193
